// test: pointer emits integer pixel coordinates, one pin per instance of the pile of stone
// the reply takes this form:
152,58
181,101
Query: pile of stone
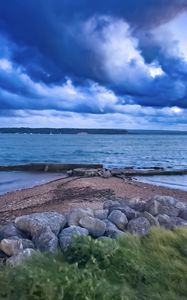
46,232
84,172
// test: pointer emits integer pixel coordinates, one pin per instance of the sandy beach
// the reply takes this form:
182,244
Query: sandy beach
66,193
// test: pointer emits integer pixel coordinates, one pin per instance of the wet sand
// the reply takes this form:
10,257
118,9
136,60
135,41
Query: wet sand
62,194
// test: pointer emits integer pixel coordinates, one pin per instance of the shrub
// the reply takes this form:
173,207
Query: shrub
131,268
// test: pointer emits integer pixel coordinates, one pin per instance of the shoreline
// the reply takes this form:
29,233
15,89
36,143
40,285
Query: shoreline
72,192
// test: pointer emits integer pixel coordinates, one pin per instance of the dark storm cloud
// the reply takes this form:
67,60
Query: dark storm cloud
46,39
43,29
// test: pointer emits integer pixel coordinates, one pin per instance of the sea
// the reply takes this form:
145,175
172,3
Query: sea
137,150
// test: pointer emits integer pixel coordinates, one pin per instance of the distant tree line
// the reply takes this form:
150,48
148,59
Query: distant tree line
24,130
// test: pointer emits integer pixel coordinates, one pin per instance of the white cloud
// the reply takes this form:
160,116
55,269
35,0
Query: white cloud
5,65
122,61
172,36
155,71
178,29
133,117
174,110
91,105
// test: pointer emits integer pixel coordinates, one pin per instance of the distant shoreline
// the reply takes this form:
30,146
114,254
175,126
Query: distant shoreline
85,131
81,131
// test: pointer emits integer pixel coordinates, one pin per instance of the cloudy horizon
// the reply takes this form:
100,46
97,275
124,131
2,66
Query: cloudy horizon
93,65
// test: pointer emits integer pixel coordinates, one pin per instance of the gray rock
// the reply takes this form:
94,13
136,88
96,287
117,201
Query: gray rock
27,244
170,222
152,220
129,212
165,221
153,207
112,231
46,241
111,204
13,246
104,173
21,257
139,226
181,205
67,235
9,230
166,200
163,205
76,214
69,172
183,213
35,223
101,214
85,172
118,218
95,226
137,204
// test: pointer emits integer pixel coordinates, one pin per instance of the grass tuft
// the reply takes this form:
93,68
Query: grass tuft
131,268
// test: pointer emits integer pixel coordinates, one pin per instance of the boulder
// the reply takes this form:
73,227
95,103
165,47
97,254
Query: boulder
76,214
181,205
111,204
104,173
118,218
183,213
152,220
112,231
139,226
166,200
101,214
35,223
95,226
13,246
137,204
153,207
67,235
46,241
21,257
10,230
170,222
163,205
129,212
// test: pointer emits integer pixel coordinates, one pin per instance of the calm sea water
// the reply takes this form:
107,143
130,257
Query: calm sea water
140,151
12,181
178,182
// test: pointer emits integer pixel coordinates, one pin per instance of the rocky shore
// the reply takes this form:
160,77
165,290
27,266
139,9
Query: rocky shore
104,204
80,189
30,234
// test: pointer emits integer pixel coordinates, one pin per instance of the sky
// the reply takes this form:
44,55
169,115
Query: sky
93,64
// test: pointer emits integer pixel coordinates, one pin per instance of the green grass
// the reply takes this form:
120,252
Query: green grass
132,268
